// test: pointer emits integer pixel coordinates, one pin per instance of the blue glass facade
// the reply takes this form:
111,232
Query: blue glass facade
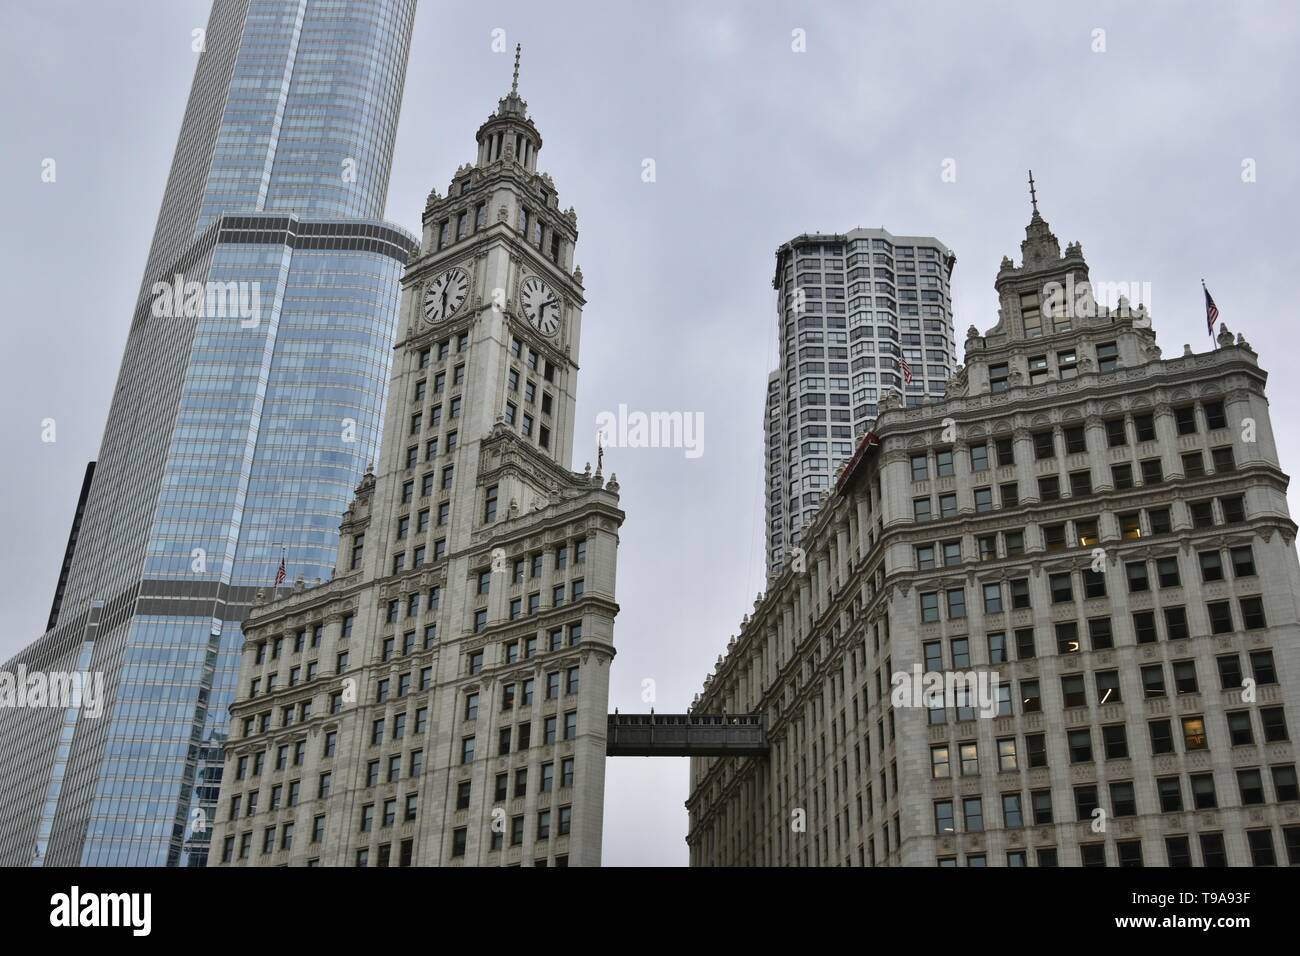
238,429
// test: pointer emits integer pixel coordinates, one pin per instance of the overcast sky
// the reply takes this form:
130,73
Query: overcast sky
1138,153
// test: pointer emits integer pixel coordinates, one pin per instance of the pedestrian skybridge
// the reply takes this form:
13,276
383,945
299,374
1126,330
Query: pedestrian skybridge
686,735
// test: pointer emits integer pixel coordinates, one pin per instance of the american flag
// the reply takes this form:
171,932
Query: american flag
1211,310
279,575
907,369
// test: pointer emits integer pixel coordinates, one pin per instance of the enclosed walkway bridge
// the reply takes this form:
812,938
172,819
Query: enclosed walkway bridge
686,735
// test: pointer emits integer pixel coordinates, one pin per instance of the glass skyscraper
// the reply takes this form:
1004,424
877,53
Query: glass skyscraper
248,405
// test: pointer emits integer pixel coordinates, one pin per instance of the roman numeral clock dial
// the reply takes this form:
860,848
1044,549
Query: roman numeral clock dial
444,295
541,307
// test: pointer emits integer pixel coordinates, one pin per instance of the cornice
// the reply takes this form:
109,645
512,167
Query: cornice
1123,383
485,180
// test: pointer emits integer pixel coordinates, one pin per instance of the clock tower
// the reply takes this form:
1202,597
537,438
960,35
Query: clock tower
496,262
462,648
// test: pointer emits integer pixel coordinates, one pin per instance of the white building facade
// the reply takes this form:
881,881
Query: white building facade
1087,546
442,700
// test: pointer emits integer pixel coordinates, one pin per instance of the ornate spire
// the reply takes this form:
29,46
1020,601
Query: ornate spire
512,104
1040,246
508,134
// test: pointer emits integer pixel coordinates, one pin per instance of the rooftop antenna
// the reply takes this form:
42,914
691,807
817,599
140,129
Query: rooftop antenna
1033,196
514,85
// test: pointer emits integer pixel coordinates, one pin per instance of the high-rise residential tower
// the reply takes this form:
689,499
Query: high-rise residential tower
1048,620
859,315
248,403
442,700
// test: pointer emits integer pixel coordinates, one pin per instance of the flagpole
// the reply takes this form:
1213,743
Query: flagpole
1206,292
1211,310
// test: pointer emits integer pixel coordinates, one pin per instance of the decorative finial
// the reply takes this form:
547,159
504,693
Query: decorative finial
514,85
1033,196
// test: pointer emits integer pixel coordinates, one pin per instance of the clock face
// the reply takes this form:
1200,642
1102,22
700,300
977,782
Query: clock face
541,307
445,294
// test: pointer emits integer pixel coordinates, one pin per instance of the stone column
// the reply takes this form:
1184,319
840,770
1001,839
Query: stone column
1167,438
1024,452
1095,430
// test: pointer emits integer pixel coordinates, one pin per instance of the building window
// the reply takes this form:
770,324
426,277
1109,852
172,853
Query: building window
1284,783
956,599
1261,667
1162,738
998,377
1261,847
929,607
1073,690
1194,734
1220,613
1012,815
939,764
1203,795
1153,681
993,599
1108,691
1273,720
1030,697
